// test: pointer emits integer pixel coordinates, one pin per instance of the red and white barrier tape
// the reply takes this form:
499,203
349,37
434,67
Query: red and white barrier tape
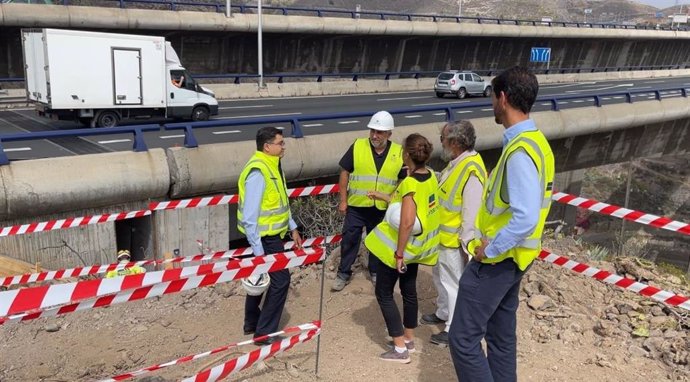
100,269
623,213
69,223
169,287
23,300
156,206
238,364
146,370
655,293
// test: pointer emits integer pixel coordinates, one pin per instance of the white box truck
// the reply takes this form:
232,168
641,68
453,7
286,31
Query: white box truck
101,79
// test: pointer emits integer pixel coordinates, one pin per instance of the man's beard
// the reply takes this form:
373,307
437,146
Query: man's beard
447,155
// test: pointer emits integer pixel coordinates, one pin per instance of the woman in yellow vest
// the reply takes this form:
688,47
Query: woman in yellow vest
401,250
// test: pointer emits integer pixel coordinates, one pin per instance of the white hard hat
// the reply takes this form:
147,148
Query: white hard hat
381,121
393,218
256,285
123,255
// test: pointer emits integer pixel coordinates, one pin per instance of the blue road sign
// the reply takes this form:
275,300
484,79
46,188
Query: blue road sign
540,55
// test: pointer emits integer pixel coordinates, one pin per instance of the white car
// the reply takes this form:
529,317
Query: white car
460,84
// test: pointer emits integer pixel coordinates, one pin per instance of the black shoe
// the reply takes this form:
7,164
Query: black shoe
440,338
431,319
268,340
249,331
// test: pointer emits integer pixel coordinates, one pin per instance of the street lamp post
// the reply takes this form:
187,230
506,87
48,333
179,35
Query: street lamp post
260,48
459,8
228,12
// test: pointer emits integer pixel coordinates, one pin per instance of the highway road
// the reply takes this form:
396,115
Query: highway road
25,119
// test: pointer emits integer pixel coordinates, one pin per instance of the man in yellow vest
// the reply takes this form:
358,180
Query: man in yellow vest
460,195
510,222
123,258
373,164
263,215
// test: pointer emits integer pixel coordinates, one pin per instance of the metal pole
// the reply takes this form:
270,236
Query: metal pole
459,8
228,11
627,199
323,279
260,49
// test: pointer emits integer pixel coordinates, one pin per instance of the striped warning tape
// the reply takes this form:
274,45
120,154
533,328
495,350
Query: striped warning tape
24,302
666,297
100,269
167,287
155,206
146,370
623,213
238,364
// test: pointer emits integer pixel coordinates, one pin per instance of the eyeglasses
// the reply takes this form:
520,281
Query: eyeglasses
281,143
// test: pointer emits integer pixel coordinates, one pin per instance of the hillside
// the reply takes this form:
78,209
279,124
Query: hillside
567,10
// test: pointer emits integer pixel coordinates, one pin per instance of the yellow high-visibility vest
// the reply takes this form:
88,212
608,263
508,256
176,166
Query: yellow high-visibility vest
450,197
365,177
135,270
494,214
382,241
275,208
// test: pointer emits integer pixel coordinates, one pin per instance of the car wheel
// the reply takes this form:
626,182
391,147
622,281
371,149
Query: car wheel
200,113
439,94
462,93
487,91
108,118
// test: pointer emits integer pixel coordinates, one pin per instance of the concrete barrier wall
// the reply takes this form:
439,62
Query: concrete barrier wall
27,15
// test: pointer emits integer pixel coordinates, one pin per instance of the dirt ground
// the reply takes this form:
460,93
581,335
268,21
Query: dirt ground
570,328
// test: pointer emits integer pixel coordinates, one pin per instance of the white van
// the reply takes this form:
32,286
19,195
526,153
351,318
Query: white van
101,79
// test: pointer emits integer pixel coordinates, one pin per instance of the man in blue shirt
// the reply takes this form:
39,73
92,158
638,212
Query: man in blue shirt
509,225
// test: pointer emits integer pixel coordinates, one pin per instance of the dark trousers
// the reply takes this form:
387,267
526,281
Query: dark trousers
386,278
486,308
356,219
265,320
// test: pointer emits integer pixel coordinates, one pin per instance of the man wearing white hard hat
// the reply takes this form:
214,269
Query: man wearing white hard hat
370,164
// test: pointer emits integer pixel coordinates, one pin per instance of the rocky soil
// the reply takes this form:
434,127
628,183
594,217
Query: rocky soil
570,328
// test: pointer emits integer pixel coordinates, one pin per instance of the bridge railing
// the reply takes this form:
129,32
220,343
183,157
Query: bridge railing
237,78
190,140
380,15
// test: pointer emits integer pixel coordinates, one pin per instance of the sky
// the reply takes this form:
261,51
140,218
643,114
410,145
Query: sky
662,3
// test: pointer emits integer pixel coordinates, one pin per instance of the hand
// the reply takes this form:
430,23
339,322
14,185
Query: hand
400,265
376,195
479,253
342,207
297,239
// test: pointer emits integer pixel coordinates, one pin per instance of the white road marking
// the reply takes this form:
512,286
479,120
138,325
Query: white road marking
439,103
256,116
313,125
18,149
243,107
604,88
653,82
402,98
546,104
607,98
439,113
21,108
579,101
465,111
619,97
413,116
347,122
564,102
567,85
114,141
171,136
487,109
225,132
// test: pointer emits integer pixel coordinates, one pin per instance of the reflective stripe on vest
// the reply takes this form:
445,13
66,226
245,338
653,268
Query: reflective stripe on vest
407,255
366,178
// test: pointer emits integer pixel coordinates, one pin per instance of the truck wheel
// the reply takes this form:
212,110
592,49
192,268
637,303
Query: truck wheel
462,93
200,113
108,119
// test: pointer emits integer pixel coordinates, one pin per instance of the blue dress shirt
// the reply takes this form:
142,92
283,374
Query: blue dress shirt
524,193
254,190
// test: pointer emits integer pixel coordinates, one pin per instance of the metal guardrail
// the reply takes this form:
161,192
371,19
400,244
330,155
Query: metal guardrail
381,15
190,140
280,77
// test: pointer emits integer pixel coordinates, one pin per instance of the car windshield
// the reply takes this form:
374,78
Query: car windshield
445,76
